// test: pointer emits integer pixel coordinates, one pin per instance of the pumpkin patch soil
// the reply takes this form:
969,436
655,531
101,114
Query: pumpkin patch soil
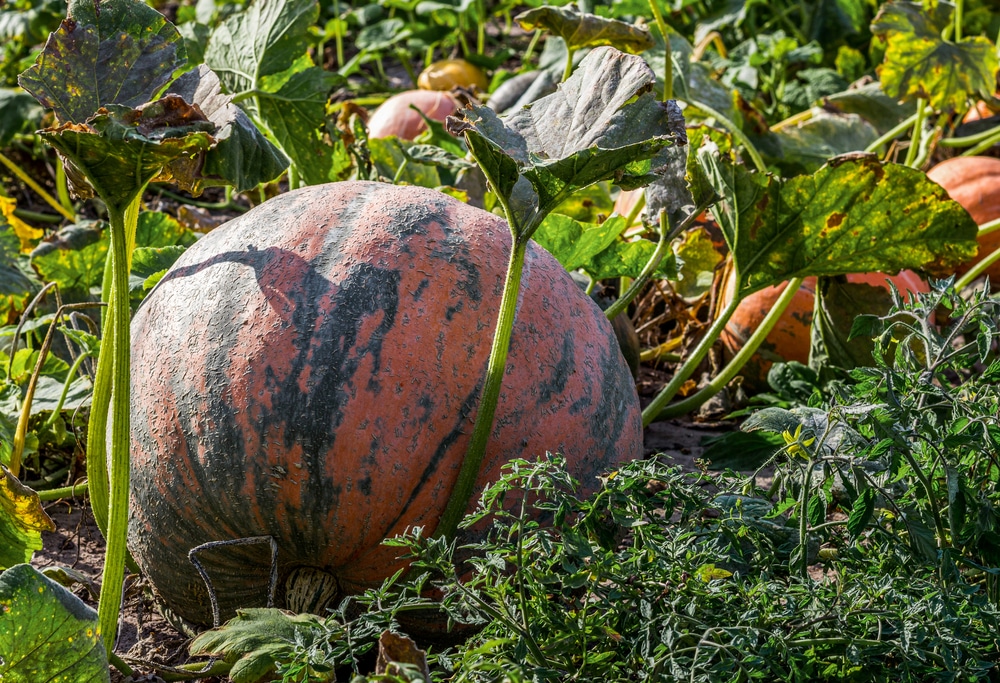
146,637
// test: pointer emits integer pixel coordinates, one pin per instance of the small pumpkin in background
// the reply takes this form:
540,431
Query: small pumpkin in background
791,338
395,116
453,73
974,182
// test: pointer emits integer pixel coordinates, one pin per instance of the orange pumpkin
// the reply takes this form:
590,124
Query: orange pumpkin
395,117
790,338
974,182
452,73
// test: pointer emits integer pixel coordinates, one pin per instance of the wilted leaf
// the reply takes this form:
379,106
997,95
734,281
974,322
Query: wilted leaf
115,52
256,639
602,123
46,632
580,29
242,156
15,286
854,215
394,650
22,521
920,63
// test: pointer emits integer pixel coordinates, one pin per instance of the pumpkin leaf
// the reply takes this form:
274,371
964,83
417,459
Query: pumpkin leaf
837,305
46,632
581,29
115,52
805,147
602,123
242,156
394,650
870,103
919,63
149,264
853,215
392,160
74,257
256,639
698,259
261,55
121,150
15,286
19,113
598,249
158,229
22,521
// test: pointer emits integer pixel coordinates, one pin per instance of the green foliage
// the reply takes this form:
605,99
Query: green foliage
22,520
46,632
580,29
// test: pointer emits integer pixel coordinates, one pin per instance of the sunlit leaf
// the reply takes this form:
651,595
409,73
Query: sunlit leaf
580,29
920,63
74,257
698,258
22,521
47,634
113,52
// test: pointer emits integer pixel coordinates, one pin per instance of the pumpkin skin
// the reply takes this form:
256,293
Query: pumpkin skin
974,182
791,337
452,73
394,116
312,369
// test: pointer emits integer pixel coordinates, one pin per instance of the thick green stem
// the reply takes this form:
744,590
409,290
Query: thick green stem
568,71
758,160
62,189
668,77
39,190
114,561
739,360
983,146
462,493
891,135
991,134
958,20
683,373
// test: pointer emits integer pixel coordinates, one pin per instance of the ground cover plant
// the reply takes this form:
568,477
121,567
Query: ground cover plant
681,160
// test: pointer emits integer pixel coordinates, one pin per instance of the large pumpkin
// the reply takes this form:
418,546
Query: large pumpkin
311,371
974,182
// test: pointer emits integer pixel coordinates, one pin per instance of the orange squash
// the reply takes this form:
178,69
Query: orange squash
311,371
974,182
790,338
452,73
395,117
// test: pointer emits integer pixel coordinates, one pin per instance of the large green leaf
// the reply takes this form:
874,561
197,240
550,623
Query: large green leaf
854,215
47,634
22,521
115,52
74,257
836,307
580,29
871,104
698,260
603,123
805,147
242,156
598,249
261,55
920,63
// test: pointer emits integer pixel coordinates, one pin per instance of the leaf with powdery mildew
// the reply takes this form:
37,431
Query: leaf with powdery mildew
580,29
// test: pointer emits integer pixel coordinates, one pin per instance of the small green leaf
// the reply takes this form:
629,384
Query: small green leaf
389,154
256,639
861,512
46,632
919,63
580,29
149,264
113,52
22,521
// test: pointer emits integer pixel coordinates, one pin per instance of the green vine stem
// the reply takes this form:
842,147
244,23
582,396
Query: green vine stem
73,370
568,71
980,267
917,134
983,146
62,189
958,20
39,190
900,128
64,492
769,322
758,160
668,76
123,223
990,134
464,486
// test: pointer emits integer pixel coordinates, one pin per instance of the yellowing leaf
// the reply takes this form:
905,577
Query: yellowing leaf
22,520
28,235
